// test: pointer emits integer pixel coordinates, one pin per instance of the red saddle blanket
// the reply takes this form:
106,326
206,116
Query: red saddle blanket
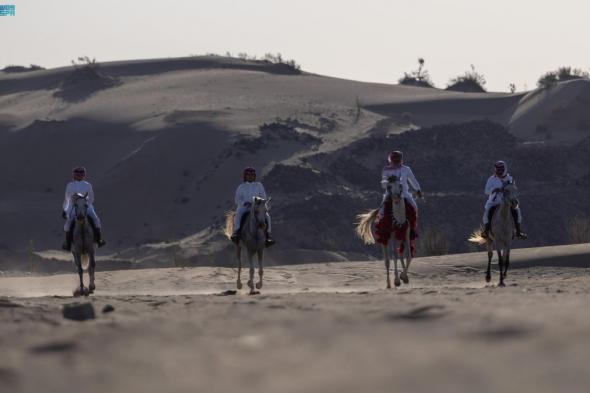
385,228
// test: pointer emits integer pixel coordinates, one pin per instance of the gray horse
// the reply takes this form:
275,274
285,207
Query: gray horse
83,243
252,238
365,223
501,233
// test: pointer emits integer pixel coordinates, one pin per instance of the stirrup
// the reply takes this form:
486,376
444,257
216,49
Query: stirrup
101,242
269,242
235,238
521,236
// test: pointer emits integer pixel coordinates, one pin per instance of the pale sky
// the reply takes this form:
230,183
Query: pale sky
370,40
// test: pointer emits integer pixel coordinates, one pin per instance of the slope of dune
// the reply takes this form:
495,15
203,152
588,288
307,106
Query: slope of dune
164,141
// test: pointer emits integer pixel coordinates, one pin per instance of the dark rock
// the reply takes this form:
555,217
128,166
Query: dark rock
79,311
108,308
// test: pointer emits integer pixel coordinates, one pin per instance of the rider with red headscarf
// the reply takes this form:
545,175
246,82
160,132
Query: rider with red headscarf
80,186
403,172
249,189
493,190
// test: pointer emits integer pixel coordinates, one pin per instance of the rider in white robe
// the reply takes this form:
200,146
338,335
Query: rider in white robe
249,189
493,190
79,186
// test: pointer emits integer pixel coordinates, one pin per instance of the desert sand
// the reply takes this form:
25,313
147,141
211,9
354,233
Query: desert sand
327,327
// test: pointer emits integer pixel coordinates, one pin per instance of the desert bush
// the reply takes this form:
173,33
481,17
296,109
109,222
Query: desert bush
472,82
420,77
578,230
432,242
562,74
16,68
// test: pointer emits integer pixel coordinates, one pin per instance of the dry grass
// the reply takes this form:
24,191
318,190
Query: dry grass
432,242
578,230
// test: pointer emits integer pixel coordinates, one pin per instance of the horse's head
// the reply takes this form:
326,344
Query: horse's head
510,193
258,210
393,187
80,202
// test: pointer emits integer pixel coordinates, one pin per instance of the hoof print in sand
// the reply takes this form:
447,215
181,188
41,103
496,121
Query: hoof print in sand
79,311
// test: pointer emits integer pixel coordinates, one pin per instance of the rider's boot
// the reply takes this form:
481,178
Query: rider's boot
269,240
235,237
67,245
98,237
486,231
519,233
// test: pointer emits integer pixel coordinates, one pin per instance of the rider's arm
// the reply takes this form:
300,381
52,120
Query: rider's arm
238,197
412,179
261,192
91,195
490,186
67,196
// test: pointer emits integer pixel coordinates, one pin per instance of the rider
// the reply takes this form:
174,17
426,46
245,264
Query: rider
404,173
493,189
79,186
249,189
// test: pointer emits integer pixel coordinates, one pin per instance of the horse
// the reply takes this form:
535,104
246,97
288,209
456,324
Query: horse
83,243
252,238
394,190
501,232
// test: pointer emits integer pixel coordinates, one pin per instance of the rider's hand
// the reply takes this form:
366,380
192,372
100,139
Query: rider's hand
64,215
496,190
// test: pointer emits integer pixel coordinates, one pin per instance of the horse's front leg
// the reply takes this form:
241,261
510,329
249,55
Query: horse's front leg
396,280
501,267
506,261
260,270
490,255
408,258
91,268
251,280
386,260
78,261
239,258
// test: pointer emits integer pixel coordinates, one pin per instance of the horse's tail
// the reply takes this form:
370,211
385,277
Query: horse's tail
477,238
85,259
363,226
229,223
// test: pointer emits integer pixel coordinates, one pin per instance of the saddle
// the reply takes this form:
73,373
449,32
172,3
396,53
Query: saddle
384,225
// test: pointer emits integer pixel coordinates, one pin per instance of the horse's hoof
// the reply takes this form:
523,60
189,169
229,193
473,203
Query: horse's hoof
397,282
250,284
253,292
259,285
77,292
91,288
405,278
501,285
86,292
488,278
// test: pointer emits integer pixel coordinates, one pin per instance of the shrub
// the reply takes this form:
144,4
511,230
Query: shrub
562,74
17,68
432,242
419,77
578,230
471,81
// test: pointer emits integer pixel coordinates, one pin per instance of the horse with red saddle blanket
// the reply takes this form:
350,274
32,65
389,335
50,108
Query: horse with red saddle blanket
394,224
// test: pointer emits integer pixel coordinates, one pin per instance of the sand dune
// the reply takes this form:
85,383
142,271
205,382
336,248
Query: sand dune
165,144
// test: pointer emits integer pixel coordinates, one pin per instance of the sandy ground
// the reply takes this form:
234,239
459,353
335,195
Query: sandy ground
321,327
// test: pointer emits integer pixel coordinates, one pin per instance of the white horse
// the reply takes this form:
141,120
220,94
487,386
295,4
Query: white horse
83,243
252,238
364,231
501,232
